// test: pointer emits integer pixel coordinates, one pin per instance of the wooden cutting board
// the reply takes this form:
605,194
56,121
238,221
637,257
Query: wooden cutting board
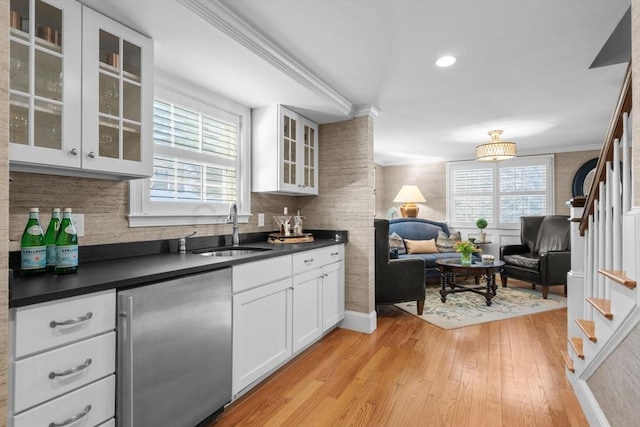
293,238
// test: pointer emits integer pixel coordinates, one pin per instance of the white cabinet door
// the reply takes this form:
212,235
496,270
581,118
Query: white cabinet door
117,113
307,315
332,295
261,331
45,93
284,152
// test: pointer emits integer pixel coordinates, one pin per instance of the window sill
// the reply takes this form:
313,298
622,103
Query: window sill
172,220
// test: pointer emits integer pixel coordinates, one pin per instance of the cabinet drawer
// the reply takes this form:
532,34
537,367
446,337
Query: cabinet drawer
96,401
38,326
250,275
85,361
308,260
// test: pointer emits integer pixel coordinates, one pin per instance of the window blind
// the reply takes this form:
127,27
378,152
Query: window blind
194,158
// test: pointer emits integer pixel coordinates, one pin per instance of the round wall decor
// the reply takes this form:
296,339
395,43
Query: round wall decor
583,177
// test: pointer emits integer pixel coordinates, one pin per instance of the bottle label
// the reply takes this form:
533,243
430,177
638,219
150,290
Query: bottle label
33,258
34,230
66,256
51,255
70,229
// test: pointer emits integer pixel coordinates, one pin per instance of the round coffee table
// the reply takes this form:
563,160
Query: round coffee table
450,268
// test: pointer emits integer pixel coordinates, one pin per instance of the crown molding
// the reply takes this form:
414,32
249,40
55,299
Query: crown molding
367,110
225,20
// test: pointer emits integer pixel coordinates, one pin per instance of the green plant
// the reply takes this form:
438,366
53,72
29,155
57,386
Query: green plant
481,223
465,247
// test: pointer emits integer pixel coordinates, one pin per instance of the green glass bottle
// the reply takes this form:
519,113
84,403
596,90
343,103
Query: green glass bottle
67,245
50,238
33,249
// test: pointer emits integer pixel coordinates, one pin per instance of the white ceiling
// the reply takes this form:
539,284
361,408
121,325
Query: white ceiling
522,65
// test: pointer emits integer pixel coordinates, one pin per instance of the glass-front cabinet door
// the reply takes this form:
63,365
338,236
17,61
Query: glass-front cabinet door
118,97
289,149
309,164
44,83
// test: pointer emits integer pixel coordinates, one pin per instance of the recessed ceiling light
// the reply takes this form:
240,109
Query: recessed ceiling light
445,61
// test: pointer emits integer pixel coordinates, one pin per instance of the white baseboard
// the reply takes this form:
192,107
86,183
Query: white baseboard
589,404
359,322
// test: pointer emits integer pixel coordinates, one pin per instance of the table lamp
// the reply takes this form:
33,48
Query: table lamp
409,195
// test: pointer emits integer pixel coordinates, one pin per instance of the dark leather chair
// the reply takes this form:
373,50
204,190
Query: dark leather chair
397,280
544,256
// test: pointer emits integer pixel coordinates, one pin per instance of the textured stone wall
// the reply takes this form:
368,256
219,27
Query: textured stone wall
105,204
4,208
346,202
431,179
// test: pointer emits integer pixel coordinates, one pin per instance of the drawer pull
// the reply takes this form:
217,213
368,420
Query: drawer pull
72,419
308,261
73,321
71,371
335,253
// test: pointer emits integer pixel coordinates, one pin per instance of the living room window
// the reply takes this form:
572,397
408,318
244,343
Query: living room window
200,161
500,192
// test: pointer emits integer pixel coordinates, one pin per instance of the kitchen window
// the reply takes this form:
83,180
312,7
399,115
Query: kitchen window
499,192
200,162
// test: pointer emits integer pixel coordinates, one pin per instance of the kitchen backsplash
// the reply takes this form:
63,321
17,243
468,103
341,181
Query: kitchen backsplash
105,205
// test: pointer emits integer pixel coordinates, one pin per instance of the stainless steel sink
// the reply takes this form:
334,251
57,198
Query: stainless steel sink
230,251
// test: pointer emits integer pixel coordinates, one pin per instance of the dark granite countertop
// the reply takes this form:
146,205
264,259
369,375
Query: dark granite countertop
124,265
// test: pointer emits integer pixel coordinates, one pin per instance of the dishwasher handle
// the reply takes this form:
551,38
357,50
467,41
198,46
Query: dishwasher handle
125,360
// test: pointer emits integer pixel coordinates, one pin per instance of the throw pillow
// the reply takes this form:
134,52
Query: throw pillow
395,241
447,243
421,246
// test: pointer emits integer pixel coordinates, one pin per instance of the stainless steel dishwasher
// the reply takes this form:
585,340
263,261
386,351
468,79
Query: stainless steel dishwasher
174,351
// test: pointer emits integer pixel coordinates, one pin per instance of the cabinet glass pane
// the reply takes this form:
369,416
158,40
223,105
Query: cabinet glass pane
19,67
108,139
109,95
312,137
109,51
47,129
48,26
131,63
285,126
285,150
48,78
293,129
19,120
312,158
19,17
293,151
131,147
131,103
286,174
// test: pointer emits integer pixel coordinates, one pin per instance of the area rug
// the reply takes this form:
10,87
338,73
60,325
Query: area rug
467,308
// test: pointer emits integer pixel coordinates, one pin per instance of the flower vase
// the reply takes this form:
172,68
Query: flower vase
465,259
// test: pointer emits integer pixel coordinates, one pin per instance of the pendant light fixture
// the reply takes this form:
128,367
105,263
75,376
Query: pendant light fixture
496,149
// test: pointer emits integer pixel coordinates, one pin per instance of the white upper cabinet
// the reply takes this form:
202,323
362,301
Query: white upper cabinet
81,92
45,75
284,152
117,65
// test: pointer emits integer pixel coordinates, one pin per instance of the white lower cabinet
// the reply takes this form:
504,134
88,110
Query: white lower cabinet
307,314
62,362
88,406
281,306
261,331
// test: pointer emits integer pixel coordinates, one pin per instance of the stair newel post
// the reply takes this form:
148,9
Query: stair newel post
576,276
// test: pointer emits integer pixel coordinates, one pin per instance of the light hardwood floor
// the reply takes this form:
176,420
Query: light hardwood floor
411,373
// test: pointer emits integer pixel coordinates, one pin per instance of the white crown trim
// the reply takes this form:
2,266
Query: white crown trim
367,110
221,17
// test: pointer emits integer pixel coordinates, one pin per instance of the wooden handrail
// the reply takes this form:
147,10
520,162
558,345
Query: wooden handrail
606,153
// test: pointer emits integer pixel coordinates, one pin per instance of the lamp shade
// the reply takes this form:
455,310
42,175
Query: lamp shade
496,149
409,195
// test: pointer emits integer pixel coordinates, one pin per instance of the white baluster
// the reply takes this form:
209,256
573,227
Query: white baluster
616,204
602,222
627,192
589,278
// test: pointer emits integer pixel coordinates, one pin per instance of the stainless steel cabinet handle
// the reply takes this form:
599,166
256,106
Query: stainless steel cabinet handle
71,371
74,151
73,321
308,261
92,155
72,419
335,253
